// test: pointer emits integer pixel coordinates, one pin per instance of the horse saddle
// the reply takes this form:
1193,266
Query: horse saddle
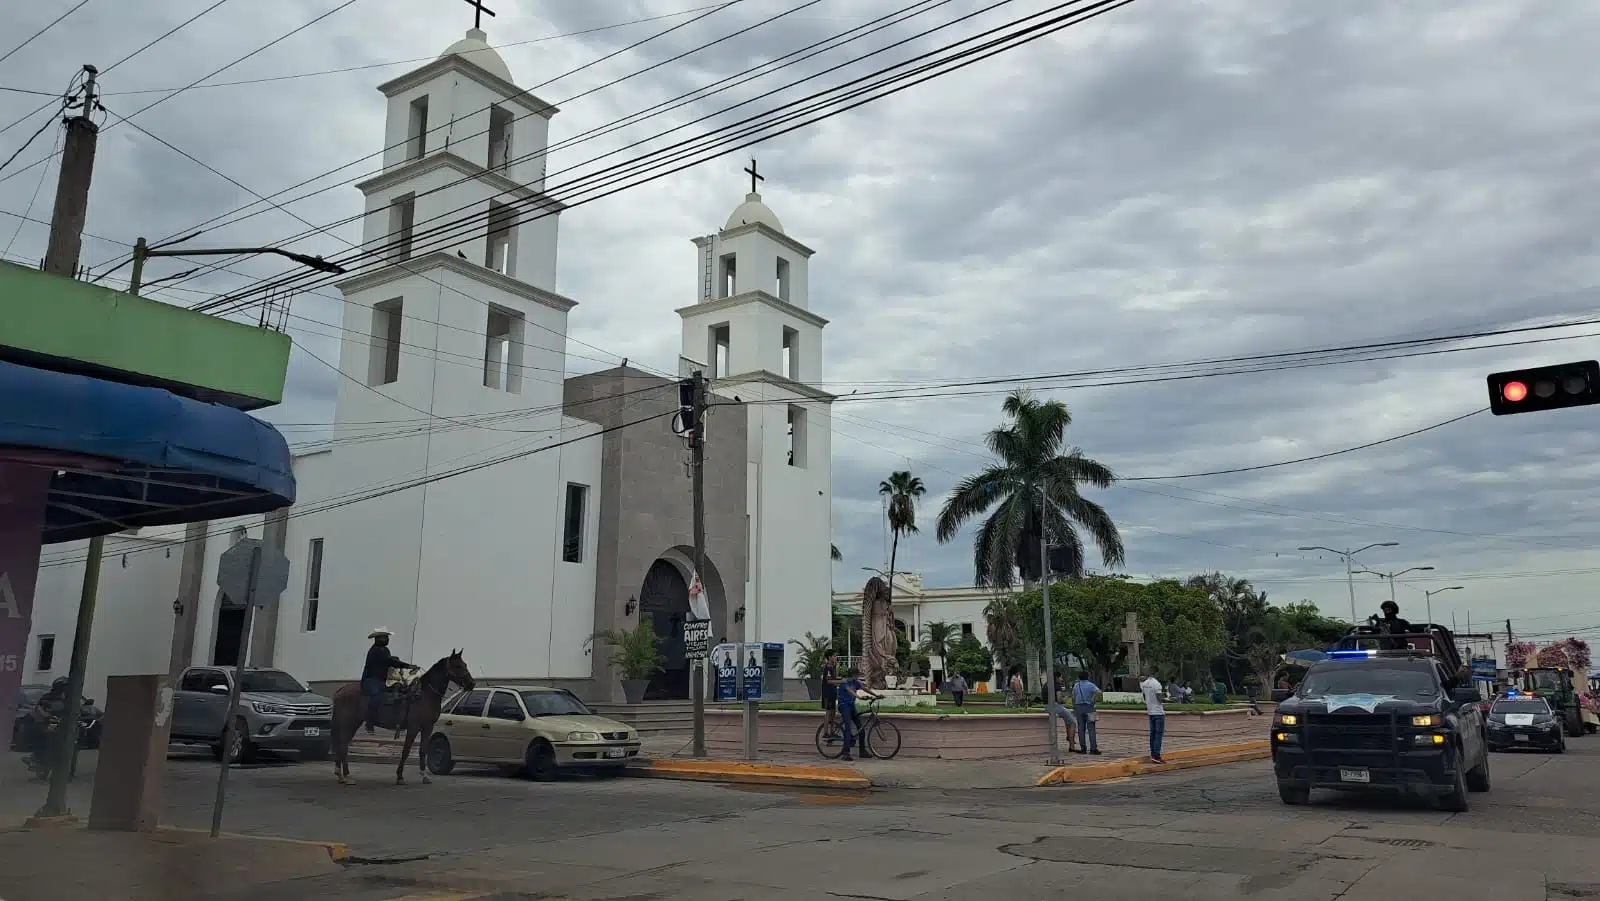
395,704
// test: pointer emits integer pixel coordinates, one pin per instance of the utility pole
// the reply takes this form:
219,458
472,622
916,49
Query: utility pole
61,258
1049,639
697,448
72,186
1349,573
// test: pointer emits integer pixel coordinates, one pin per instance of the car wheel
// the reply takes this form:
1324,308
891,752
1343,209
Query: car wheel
240,749
440,762
1478,778
1294,793
540,763
1574,724
1456,800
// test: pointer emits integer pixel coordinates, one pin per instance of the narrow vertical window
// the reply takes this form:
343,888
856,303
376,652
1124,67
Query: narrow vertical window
729,276
402,222
502,351
47,653
572,523
313,583
720,335
500,122
791,353
417,129
501,254
384,367
797,436
783,279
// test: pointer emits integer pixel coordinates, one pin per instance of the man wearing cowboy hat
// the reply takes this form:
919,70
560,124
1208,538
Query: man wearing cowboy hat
376,673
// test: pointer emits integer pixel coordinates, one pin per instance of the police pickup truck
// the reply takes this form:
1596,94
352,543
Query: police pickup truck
1393,714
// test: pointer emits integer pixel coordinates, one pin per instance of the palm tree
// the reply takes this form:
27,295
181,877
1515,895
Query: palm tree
938,638
902,489
1002,619
1031,453
833,551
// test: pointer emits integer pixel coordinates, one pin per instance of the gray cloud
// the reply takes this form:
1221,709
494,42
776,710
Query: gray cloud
1165,183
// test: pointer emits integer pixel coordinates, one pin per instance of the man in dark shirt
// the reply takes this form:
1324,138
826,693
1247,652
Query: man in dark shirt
376,672
52,705
830,689
1392,624
850,689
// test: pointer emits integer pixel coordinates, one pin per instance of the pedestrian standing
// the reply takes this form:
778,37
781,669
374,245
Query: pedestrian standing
1158,715
1057,706
958,689
1084,694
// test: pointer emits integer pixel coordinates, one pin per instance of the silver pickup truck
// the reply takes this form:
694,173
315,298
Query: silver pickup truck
276,712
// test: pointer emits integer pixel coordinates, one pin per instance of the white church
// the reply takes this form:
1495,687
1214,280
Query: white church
473,495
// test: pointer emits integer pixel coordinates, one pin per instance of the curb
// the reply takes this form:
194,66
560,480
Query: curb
751,773
1188,758
338,852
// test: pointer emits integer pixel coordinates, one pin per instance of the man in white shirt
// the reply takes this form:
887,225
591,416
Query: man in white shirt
1158,715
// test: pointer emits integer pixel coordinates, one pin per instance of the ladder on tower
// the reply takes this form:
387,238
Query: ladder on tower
705,267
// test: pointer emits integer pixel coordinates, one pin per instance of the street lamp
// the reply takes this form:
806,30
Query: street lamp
1391,577
1428,596
1349,579
143,251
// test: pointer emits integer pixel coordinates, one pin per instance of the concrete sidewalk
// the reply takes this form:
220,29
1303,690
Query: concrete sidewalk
75,864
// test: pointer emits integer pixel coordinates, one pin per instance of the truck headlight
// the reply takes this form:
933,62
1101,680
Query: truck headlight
1425,722
268,709
1285,719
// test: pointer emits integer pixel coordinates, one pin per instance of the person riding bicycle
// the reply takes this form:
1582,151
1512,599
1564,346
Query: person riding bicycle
849,690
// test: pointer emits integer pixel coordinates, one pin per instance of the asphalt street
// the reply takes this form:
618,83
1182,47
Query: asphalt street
1210,833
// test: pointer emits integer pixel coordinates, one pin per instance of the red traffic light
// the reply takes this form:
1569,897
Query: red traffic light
1514,391
1545,388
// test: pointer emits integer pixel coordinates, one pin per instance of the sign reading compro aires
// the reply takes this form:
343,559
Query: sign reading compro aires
697,639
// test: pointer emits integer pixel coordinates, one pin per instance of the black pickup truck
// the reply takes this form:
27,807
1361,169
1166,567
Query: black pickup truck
1397,714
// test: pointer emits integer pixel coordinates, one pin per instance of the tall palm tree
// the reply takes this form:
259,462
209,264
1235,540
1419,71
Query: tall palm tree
1003,623
902,490
1032,452
938,637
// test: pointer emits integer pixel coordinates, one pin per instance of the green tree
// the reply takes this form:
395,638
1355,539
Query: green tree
938,637
1031,453
903,490
1002,618
971,659
1243,609
1180,624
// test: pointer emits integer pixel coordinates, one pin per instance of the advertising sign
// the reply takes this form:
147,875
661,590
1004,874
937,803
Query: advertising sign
23,490
696,638
725,659
751,658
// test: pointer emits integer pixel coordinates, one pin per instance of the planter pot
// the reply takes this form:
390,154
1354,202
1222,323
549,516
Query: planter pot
814,689
633,690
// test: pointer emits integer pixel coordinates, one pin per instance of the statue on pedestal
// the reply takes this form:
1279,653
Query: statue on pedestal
878,635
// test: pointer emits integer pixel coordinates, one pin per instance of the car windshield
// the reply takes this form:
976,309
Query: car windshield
1521,705
1368,678
1546,680
270,681
553,703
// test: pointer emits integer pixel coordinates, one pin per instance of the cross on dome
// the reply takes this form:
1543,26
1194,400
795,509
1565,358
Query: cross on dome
478,9
754,175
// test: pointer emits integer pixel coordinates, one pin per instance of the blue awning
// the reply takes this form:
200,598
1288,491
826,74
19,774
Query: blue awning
127,456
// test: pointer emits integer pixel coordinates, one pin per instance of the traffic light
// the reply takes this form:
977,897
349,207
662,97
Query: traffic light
1544,388
685,420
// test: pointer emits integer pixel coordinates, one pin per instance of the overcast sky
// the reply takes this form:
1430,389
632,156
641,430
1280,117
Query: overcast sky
1166,183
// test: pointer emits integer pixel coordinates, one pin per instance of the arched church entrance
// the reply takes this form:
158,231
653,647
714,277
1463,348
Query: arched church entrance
664,597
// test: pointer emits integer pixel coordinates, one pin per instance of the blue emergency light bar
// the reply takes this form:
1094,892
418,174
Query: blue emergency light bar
1352,655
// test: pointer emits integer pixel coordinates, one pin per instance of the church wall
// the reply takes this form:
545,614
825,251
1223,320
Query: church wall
133,617
572,600
756,258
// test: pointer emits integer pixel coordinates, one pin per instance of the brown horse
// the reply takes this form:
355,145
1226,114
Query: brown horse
350,711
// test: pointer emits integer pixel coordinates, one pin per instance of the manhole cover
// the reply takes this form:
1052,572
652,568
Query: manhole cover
1400,842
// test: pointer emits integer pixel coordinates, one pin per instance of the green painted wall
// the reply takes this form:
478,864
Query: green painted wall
60,323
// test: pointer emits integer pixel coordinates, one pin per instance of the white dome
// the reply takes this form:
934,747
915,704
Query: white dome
474,48
753,210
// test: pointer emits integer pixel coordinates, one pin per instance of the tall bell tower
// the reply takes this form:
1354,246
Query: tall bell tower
753,328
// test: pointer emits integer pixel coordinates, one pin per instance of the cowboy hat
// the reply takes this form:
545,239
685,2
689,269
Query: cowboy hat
379,631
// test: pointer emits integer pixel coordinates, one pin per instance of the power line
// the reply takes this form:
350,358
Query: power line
32,37
49,121
857,92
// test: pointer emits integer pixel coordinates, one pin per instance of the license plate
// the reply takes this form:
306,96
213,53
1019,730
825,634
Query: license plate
1521,737
1355,776
313,732
616,752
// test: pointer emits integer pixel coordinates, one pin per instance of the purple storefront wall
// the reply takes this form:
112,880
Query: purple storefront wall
23,491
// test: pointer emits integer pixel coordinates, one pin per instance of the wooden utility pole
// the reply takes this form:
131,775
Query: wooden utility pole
61,258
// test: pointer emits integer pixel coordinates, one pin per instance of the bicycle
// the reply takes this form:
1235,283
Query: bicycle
880,738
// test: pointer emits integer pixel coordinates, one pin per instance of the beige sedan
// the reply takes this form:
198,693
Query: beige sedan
538,730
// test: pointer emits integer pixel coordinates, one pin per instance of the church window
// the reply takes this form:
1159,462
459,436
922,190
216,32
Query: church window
797,436
719,350
729,276
417,129
47,653
572,523
783,279
402,221
500,122
501,255
384,367
313,583
791,353
502,351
